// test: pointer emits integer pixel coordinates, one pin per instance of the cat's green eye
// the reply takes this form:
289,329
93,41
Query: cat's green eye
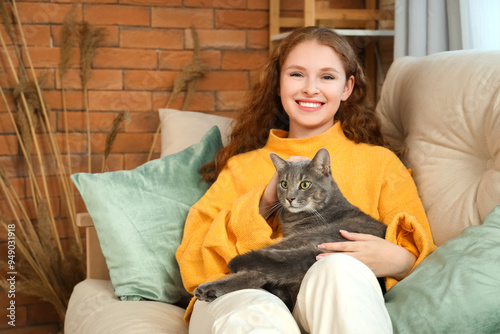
305,185
284,184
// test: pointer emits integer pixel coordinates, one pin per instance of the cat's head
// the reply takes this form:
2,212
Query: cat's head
304,186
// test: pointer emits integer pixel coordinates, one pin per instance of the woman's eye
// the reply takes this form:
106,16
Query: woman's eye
305,185
328,77
284,184
295,74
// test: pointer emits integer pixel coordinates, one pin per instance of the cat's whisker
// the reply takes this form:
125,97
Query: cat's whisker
272,209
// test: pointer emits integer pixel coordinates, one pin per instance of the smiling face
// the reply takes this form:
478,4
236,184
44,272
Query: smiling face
312,85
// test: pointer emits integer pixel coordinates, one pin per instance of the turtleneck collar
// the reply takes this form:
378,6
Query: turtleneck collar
279,142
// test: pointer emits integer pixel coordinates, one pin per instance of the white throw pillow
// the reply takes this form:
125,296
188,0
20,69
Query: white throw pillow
181,129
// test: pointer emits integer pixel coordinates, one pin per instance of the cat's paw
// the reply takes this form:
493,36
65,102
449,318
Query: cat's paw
207,292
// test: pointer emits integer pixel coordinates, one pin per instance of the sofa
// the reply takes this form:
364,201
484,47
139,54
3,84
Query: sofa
442,111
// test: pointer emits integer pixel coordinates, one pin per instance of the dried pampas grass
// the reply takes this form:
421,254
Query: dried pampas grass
43,268
110,138
90,37
187,79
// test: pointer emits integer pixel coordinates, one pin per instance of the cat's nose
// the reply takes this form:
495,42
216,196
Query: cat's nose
290,199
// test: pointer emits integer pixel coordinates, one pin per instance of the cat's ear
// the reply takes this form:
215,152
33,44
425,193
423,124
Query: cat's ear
278,162
322,161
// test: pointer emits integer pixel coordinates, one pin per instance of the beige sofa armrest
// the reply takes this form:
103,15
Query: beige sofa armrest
96,263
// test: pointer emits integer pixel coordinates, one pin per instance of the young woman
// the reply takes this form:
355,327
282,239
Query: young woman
311,94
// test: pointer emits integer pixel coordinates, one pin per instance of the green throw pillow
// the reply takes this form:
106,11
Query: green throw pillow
139,216
456,289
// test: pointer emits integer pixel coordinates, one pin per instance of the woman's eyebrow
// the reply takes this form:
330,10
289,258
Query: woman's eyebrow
324,69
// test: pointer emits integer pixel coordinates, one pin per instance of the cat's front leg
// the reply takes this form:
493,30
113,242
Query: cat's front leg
242,280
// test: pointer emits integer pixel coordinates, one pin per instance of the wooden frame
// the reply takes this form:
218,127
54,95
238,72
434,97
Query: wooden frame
96,263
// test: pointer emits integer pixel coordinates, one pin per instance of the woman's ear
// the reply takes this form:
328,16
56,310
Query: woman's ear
349,86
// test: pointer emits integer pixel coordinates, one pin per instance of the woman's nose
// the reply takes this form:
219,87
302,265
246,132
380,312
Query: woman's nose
310,87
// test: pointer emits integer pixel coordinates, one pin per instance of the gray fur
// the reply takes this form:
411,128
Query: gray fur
308,217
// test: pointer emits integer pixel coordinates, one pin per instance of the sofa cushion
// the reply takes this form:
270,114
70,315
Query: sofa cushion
94,308
180,129
456,289
445,110
139,217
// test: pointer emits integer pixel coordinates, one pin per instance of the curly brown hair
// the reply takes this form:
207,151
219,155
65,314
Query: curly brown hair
262,110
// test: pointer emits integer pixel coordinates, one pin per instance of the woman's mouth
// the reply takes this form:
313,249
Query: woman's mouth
309,105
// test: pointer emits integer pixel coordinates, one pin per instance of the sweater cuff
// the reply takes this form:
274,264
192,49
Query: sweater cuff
404,230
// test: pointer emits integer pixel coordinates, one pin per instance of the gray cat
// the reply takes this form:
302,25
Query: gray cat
312,210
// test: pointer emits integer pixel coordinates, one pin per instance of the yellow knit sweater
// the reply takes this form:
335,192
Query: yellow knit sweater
226,222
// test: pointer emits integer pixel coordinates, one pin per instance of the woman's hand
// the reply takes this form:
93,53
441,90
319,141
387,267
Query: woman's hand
269,199
383,257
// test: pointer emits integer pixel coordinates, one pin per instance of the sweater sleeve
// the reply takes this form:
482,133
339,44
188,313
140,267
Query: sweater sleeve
225,222
402,211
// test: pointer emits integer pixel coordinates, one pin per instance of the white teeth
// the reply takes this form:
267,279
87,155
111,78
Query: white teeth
310,104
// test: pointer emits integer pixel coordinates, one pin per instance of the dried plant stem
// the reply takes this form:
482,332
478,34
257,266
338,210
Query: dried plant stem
188,78
64,180
66,51
87,117
110,138
36,189
37,150
89,39
54,146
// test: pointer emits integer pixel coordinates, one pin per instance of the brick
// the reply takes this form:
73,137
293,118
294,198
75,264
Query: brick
122,100
8,145
218,39
117,15
216,3
77,121
10,102
125,58
230,100
45,77
241,19
99,79
40,12
134,160
142,122
6,126
176,60
14,166
80,162
149,80
151,38
224,80
74,99
19,186
49,57
243,60
258,4
35,34
182,18
77,142
29,207
201,101
52,186
156,3
124,143
110,37
258,39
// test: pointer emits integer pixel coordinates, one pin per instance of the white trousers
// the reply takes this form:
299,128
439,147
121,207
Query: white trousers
338,294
